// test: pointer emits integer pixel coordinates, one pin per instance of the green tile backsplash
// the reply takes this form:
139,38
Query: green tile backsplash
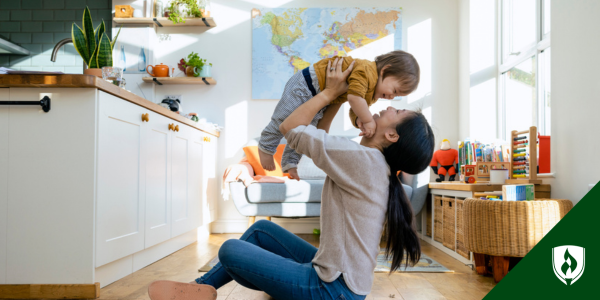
37,25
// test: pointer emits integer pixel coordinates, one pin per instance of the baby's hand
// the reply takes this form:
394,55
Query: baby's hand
367,129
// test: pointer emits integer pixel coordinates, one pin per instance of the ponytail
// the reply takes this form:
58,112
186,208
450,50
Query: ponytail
412,154
400,228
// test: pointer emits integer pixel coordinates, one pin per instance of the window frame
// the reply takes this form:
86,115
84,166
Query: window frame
534,50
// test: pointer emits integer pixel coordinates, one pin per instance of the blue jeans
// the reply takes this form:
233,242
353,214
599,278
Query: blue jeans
271,259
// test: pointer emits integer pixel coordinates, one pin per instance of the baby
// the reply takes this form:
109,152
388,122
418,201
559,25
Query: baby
390,75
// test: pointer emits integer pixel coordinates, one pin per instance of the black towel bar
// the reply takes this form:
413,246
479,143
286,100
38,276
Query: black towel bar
45,103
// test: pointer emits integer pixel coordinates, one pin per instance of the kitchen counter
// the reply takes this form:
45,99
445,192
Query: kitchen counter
89,81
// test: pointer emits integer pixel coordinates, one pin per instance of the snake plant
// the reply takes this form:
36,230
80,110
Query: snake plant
93,45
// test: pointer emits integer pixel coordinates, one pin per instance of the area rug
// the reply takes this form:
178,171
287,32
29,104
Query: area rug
425,265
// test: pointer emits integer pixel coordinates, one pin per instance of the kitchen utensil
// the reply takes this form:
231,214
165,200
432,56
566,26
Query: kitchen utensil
158,70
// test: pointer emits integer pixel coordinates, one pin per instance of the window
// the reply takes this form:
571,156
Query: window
524,71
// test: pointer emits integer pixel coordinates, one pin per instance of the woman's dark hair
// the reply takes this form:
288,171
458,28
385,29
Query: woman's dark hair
412,154
402,66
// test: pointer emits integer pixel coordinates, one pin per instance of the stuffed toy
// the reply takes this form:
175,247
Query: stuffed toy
447,158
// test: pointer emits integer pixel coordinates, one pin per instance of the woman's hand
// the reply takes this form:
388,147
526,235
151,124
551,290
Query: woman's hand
336,82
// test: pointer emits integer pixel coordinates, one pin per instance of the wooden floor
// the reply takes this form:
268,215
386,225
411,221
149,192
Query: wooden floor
463,284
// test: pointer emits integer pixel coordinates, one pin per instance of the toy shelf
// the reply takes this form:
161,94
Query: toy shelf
181,80
165,22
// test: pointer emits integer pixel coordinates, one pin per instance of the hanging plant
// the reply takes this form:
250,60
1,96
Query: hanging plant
176,15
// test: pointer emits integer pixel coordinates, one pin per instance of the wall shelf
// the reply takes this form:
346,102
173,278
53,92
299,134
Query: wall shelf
165,22
181,80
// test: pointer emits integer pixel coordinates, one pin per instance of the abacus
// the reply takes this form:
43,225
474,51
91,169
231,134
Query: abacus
523,160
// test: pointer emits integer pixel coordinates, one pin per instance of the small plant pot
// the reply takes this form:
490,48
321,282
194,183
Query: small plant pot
191,71
93,71
206,71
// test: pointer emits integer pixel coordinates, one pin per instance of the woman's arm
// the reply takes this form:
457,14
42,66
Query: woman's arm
328,115
335,86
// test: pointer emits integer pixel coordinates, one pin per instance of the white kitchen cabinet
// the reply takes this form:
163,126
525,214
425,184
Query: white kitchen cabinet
4,95
158,185
181,206
121,180
94,192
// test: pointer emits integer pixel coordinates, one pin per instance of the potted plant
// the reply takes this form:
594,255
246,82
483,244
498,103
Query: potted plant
93,45
206,70
192,66
180,9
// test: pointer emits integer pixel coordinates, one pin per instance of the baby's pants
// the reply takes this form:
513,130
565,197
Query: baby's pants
300,88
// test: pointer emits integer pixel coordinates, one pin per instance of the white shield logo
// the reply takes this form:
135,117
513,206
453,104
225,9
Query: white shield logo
568,263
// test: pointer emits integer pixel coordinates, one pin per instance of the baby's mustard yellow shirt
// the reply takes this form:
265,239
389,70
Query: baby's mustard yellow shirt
361,82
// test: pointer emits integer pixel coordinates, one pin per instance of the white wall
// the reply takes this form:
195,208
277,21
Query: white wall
575,89
430,32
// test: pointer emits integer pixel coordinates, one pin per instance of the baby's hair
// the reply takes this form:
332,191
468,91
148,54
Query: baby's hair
402,66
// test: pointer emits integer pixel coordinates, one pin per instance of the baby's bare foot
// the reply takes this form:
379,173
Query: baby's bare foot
267,161
294,173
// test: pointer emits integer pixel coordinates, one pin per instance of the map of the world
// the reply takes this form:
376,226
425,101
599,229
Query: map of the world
287,40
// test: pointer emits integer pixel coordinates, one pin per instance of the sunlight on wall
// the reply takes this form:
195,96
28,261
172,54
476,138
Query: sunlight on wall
419,45
483,110
234,17
482,35
371,50
268,3
236,118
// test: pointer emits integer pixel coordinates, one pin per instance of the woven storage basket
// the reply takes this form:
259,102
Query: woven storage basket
449,240
438,218
510,228
428,209
460,231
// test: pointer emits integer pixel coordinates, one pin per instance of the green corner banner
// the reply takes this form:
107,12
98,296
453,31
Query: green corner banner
565,263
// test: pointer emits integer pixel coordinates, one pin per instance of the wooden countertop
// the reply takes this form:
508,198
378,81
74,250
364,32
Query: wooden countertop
479,187
89,81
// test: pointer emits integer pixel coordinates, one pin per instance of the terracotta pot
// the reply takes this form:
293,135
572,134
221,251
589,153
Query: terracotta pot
93,71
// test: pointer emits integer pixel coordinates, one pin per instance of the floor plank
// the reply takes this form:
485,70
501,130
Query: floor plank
463,284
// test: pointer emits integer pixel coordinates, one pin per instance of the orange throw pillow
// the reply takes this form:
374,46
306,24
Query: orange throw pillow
254,160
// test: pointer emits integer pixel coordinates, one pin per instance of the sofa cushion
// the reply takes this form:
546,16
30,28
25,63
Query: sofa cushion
292,191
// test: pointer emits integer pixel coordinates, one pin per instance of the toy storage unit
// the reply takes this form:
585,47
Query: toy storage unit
443,219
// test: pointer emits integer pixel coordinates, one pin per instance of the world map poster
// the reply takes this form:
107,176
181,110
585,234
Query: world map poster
287,40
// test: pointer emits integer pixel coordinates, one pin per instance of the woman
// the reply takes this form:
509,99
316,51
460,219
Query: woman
361,193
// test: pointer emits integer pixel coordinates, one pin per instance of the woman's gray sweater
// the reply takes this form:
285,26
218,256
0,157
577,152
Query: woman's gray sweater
353,205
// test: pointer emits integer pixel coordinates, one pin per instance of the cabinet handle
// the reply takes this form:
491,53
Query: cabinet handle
177,128
145,117
171,127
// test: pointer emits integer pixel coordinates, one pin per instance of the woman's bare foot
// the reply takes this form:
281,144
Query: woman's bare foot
267,161
172,290
294,173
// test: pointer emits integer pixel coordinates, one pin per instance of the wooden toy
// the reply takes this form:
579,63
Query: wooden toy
523,165
469,171
483,168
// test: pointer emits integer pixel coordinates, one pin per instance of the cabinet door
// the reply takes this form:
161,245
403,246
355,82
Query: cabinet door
3,182
181,218
158,201
121,177
196,180
210,182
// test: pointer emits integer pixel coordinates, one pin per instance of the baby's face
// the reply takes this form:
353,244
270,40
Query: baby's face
388,88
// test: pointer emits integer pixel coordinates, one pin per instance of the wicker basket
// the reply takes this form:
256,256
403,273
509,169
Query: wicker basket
438,218
449,240
510,228
460,231
428,225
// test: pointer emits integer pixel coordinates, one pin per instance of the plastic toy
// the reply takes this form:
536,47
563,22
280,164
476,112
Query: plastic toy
447,158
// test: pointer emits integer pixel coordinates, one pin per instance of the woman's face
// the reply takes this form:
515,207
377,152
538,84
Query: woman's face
390,117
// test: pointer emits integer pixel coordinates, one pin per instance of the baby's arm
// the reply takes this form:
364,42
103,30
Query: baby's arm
328,115
365,120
